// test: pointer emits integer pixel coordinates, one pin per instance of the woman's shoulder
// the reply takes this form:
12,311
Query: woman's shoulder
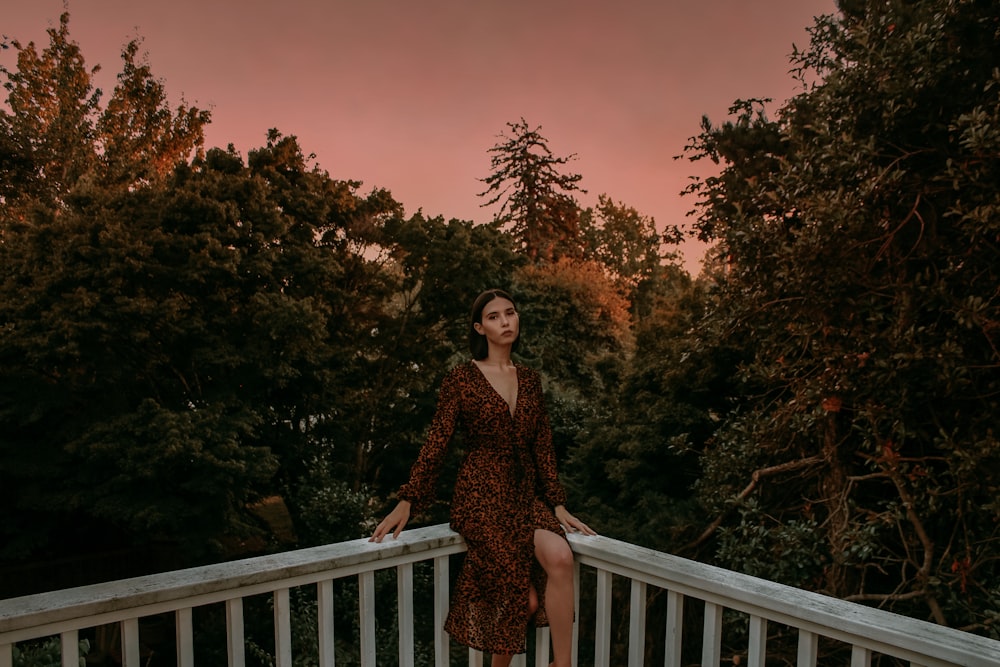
527,374
463,367
460,372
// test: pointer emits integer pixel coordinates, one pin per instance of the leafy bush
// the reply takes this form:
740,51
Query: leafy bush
46,653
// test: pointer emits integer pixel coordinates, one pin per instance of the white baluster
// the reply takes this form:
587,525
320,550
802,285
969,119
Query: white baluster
576,615
70,648
675,625
711,646
441,640
234,633
861,656
404,604
366,604
808,648
282,628
637,623
324,614
602,633
130,643
185,637
757,650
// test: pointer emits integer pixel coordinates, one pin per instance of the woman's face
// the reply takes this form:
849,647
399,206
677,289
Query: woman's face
499,322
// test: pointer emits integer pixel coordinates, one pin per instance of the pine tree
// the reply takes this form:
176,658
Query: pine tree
537,203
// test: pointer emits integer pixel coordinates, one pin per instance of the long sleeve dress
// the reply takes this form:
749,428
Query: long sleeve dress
506,488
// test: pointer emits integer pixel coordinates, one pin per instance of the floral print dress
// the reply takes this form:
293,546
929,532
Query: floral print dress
507,487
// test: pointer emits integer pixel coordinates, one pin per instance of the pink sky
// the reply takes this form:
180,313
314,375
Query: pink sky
409,95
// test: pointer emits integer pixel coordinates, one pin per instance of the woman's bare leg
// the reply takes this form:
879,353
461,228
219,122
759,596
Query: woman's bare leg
501,660
556,558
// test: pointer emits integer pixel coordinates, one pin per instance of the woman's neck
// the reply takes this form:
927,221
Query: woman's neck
498,361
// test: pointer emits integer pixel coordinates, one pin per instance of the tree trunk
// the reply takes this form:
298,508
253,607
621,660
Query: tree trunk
834,491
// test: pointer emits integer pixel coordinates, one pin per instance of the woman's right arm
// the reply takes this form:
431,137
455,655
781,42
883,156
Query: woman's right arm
393,523
423,475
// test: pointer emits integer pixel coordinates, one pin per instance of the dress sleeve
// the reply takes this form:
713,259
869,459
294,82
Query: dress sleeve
420,490
545,457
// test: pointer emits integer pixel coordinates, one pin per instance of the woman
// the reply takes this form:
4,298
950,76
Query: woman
507,503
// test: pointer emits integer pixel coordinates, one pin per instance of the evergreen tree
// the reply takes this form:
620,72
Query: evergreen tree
536,199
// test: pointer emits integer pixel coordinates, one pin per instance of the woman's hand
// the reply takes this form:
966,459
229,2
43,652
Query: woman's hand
394,523
570,523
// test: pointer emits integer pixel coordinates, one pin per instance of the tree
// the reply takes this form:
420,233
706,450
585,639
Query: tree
172,323
48,134
138,138
631,250
536,199
576,324
161,355
858,235
57,141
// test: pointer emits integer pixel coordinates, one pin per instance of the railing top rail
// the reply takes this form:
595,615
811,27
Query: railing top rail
851,623
262,572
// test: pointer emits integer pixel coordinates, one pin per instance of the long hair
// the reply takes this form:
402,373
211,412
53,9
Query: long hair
477,341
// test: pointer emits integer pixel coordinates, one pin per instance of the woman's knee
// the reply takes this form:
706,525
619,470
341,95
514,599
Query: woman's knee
553,553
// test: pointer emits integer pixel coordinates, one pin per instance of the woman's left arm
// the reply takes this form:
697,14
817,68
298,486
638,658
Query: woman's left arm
570,523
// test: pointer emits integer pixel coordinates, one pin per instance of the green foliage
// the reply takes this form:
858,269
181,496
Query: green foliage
789,552
180,316
327,509
169,330
46,653
860,239
139,139
50,126
631,250
635,467
576,325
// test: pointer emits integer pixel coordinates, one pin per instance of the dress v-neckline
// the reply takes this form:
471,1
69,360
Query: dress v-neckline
511,407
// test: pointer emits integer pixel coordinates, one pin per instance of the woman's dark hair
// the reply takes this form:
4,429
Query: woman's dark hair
477,342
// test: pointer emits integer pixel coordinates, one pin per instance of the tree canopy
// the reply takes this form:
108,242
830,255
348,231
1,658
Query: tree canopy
824,399
858,244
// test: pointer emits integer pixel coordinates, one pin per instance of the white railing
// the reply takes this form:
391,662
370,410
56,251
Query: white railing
756,602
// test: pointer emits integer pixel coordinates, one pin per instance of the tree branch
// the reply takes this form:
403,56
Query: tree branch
755,478
924,571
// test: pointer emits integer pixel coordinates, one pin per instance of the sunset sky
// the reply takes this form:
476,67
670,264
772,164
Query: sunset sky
409,95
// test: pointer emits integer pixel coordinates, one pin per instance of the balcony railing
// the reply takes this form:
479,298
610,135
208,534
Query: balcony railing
677,584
